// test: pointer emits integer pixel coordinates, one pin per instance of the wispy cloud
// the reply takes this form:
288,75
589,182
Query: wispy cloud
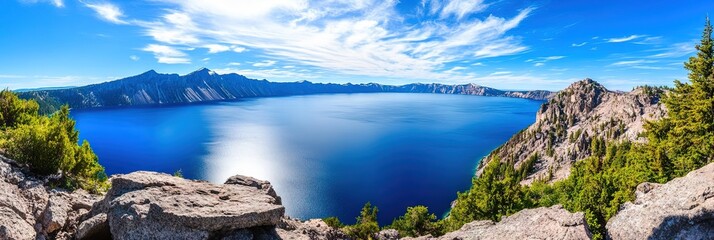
216,48
639,64
56,3
265,63
460,8
134,58
539,62
624,39
676,50
365,38
107,11
272,73
233,64
650,40
167,54
579,44
632,62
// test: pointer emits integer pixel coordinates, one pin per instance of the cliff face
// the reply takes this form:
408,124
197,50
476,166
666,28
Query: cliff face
569,122
152,88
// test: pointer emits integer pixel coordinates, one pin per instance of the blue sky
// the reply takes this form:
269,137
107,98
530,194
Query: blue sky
508,44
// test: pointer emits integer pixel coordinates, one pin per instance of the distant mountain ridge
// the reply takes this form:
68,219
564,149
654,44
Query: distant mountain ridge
152,88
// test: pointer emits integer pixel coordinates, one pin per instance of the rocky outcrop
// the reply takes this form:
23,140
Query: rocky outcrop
149,205
31,210
680,209
539,223
262,185
152,88
568,123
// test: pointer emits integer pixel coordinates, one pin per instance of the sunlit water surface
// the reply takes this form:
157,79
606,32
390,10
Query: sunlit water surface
326,155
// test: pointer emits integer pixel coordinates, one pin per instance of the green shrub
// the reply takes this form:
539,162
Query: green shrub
48,144
366,225
417,221
333,222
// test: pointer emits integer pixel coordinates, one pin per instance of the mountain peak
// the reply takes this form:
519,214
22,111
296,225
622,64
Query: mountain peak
150,72
586,85
202,72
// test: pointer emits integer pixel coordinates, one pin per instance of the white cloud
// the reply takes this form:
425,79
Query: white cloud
455,69
365,38
289,66
216,48
205,59
649,40
107,11
134,58
265,63
624,39
56,3
538,62
631,62
639,64
238,49
166,54
272,74
234,64
500,73
579,44
676,50
462,8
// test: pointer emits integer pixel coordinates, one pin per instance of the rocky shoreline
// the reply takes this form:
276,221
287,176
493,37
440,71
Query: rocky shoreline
150,205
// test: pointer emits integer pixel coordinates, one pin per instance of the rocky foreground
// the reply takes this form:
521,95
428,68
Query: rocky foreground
149,205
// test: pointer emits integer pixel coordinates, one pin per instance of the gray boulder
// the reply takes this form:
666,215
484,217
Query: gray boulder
94,228
314,229
265,186
539,223
148,205
387,234
55,214
680,209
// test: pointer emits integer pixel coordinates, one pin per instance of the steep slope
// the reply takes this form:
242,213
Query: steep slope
573,123
205,85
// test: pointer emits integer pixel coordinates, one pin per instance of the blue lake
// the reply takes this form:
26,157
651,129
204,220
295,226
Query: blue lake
326,155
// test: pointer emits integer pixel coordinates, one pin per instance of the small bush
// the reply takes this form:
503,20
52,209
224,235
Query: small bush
48,144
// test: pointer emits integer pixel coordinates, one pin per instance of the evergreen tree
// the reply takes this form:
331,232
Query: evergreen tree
417,221
684,140
366,225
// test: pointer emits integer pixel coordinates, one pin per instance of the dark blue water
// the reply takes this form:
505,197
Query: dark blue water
326,155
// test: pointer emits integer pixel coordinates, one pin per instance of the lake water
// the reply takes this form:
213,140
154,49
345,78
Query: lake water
326,155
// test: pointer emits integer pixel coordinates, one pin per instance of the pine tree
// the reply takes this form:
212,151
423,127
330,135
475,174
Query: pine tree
686,135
